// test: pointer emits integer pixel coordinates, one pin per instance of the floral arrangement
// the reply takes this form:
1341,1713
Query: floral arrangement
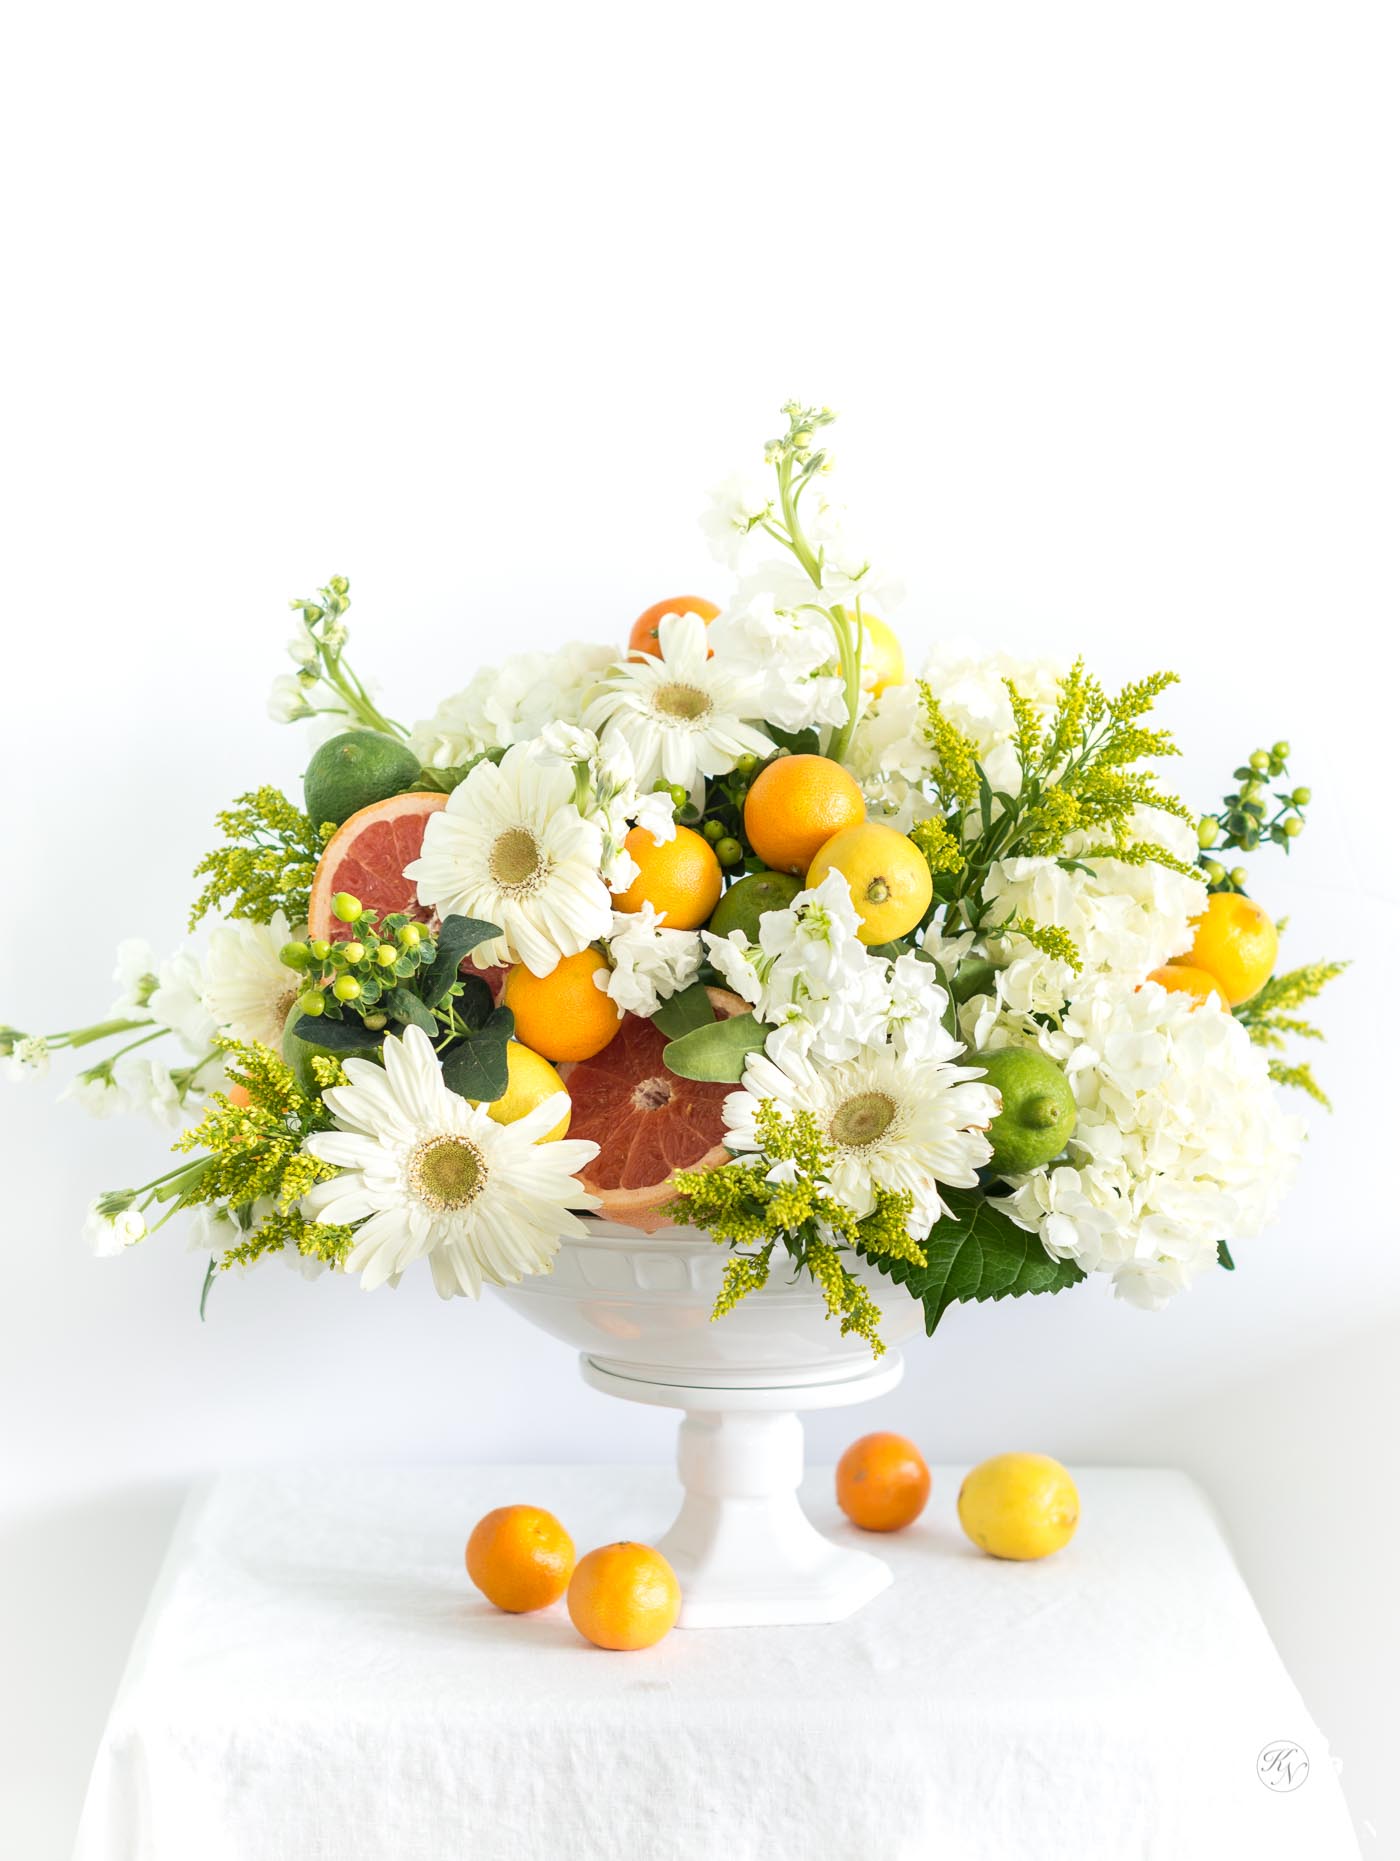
734,926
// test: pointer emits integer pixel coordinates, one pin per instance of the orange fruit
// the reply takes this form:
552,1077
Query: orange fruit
1235,941
366,857
680,877
520,1558
882,1482
1185,978
882,656
564,1015
796,805
646,1121
643,637
624,1596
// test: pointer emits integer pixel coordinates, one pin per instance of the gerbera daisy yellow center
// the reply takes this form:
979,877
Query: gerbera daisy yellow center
447,1172
863,1120
683,704
517,865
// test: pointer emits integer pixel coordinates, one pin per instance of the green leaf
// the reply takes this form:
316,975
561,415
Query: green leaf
977,1252
1223,1255
348,1036
404,1005
210,1271
477,1068
443,781
690,1009
716,1053
800,742
456,937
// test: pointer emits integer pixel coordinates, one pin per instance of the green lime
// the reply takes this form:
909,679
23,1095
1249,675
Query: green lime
745,903
1038,1112
353,771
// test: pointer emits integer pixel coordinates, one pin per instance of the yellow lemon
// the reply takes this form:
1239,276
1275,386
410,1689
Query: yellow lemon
530,1080
882,655
1236,942
891,887
1020,1506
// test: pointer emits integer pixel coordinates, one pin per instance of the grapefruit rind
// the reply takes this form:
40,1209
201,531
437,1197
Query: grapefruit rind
402,819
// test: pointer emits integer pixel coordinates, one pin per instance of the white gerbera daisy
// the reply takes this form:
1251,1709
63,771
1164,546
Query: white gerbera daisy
893,1123
248,991
426,1173
511,847
681,714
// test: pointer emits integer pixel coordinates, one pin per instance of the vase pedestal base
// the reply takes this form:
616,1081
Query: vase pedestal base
744,1551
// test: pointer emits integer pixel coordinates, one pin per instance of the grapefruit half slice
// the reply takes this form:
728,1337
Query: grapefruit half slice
366,857
646,1122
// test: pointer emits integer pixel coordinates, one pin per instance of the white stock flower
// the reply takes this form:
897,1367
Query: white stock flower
135,977
679,712
735,508
98,1092
111,1234
177,1001
1180,1141
512,848
892,1122
425,1174
289,698
791,659
649,962
153,1090
510,703
248,991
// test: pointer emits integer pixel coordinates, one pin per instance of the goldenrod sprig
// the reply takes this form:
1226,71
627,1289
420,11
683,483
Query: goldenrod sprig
268,865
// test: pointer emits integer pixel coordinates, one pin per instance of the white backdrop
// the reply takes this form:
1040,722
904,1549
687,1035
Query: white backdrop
473,306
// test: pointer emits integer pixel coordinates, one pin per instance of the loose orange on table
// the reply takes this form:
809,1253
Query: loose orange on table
795,806
520,1558
624,1596
1236,942
1185,978
564,1015
643,637
882,1482
681,877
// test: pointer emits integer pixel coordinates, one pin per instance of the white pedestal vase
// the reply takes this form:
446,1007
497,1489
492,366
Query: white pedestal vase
637,1308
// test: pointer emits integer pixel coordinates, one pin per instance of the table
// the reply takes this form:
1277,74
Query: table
316,1680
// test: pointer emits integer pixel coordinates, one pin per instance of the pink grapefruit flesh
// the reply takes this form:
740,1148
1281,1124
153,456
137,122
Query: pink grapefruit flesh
366,857
646,1122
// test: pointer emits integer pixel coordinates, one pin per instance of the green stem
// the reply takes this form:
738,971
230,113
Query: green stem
102,1030
848,637
341,678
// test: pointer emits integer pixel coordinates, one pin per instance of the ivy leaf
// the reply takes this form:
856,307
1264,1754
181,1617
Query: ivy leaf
684,1012
716,1053
404,1005
456,937
977,1252
347,1036
477,1068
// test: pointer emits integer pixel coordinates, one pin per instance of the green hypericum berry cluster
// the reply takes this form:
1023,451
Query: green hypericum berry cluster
721,819
358,972
1258,812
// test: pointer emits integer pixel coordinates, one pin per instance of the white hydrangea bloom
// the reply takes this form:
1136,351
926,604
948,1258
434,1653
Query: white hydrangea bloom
1181,1141
510,703
789,655
1124,920
649,962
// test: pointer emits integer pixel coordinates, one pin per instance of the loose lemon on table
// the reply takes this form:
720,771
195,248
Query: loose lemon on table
624,1596
1236,942
794,807
564,1015
681,877
882,656
530,1080
882,1482
891,886
1019,1506
1186,979
643,637
520,1558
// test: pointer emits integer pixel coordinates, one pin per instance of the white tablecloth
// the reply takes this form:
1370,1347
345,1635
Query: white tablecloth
316,1680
